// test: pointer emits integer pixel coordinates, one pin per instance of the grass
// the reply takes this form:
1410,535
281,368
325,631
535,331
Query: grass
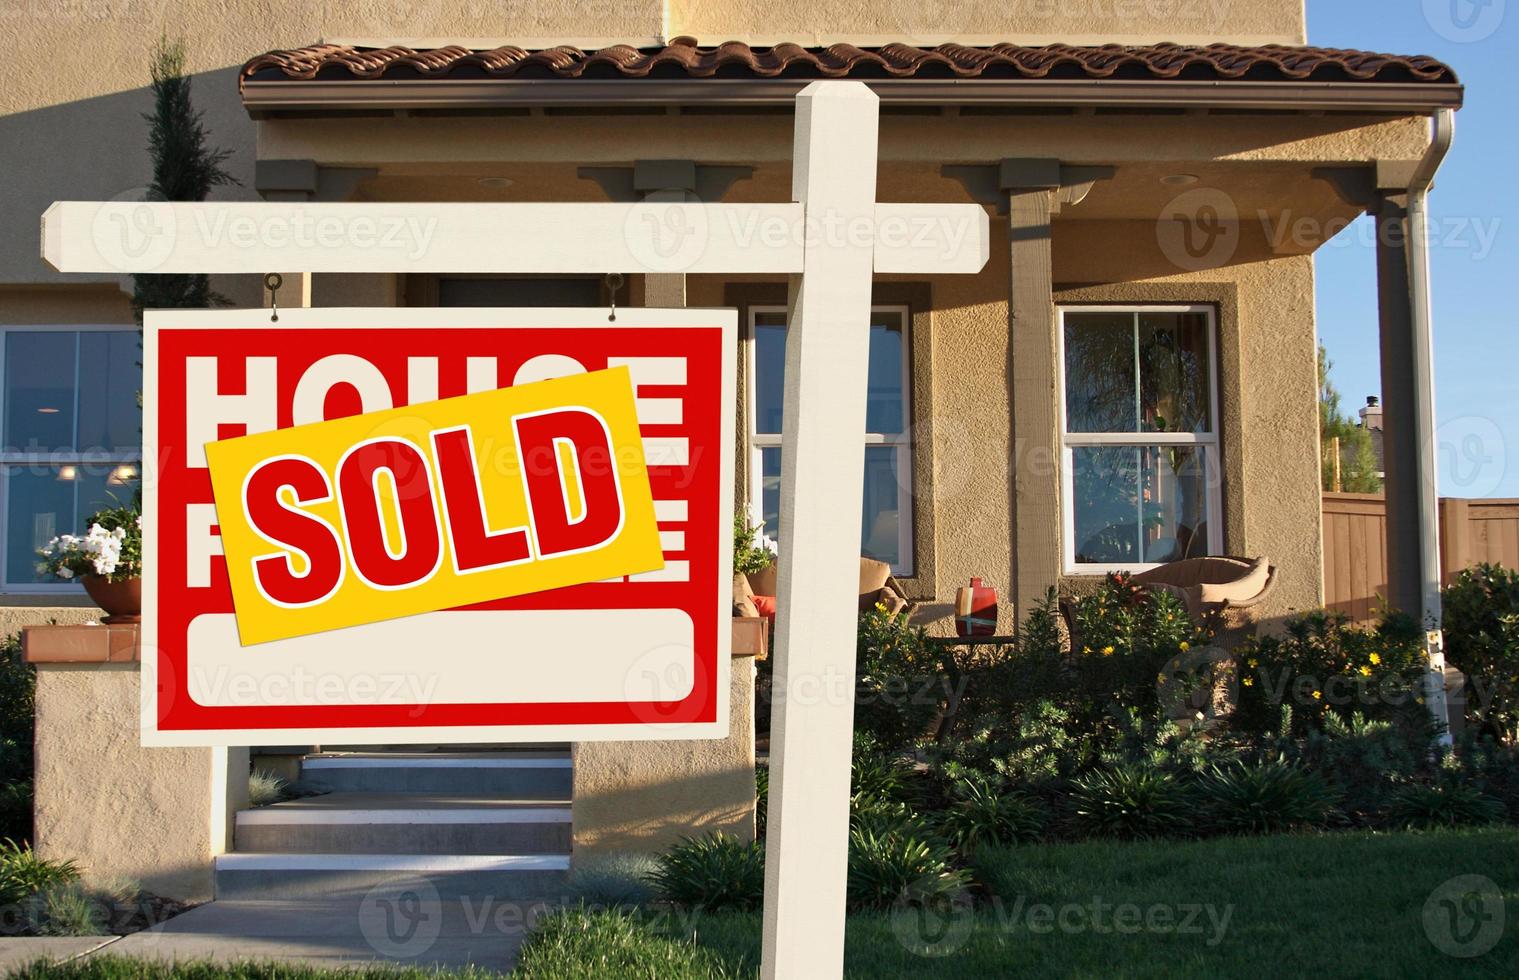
1334,905
122,968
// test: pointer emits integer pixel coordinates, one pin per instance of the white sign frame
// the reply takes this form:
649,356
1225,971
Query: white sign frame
390,318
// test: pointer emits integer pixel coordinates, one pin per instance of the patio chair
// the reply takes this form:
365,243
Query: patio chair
754,593
1227,587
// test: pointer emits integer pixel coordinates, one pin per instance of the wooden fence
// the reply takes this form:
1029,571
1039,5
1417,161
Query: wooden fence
1355,545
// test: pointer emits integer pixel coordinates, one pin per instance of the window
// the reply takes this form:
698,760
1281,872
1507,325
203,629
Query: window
1140,445
72,437
886,517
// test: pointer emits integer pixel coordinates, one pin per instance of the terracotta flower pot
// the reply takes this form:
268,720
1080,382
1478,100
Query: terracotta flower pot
122,601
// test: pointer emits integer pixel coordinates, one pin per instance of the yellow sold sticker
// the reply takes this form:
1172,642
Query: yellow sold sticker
436,505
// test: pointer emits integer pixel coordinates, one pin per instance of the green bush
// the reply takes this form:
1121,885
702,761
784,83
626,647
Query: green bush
18,683
1419,806
1482,639
1321,665
23,874
66,909
897,867
1131,802
1264,798
1364,760
761,798
899,684
982,813
713,873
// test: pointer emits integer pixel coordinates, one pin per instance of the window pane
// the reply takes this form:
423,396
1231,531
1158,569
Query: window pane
39,391
1139,505
770,491
109,380
884,410
1100,384
880,521
40,506
1173,373
769,372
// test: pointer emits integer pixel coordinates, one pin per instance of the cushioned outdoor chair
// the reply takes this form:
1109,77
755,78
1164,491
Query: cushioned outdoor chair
1232,589
877,586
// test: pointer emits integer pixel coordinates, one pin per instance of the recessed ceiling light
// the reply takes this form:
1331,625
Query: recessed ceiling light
1180,180
495,182
47,411
67,472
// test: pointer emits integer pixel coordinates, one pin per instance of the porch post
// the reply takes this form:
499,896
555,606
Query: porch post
1030,187
1400,439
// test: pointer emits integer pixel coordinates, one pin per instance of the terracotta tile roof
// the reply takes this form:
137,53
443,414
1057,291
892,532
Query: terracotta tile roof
683,59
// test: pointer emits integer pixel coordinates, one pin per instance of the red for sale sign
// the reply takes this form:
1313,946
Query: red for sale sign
640,655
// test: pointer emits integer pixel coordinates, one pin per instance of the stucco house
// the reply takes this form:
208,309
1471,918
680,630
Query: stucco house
1130,381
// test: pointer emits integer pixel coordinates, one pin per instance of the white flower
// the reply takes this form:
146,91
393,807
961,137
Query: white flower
65,572
105,565
139,522
119,534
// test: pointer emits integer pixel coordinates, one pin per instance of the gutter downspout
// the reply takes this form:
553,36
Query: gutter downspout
1443,134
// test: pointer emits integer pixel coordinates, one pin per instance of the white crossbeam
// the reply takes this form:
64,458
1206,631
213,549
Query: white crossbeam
650,237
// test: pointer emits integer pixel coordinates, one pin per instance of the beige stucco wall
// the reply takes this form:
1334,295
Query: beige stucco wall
642,797
155,816
1025,21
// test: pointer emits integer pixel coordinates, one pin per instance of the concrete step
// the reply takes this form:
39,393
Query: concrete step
404,823
543,775
337,877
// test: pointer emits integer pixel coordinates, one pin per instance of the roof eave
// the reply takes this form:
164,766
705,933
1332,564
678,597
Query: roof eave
315,97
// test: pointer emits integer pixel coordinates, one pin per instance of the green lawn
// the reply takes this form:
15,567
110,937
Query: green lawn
1332,905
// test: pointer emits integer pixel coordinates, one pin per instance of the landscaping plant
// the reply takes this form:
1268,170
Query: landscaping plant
900,686
983,812
1420,806
1264,798
1132,802
111,548
714,873
895,867
1482,639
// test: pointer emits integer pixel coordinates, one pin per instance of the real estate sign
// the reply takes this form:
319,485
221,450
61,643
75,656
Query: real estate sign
437,525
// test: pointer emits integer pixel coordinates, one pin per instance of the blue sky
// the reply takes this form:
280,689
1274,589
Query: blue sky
1475,239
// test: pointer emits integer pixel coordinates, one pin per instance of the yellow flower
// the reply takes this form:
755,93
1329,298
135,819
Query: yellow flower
1318,695
1185,646
1107,651
1376,658
1253,662
1086,649
1248,682
1365,671
880,607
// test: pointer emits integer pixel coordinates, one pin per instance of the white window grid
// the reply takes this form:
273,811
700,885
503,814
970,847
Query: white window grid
1140,440
12,461
901,442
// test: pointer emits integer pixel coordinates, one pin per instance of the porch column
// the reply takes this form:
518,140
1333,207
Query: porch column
1030,187
1405,586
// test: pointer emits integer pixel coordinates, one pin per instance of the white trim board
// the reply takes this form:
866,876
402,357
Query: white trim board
307,816
413,762
434,863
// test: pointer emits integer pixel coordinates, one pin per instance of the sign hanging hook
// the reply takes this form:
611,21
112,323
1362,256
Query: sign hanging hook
613,281
272,282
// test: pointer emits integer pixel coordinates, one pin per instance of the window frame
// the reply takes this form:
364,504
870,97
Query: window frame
901,442
1069,441
11,461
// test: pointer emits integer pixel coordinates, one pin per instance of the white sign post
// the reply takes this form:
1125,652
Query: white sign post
829,240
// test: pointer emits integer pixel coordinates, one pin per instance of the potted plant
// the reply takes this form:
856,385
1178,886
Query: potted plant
107,559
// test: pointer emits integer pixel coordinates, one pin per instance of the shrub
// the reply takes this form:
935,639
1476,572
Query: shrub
265,787
66,909
875,773
18,684
23,874
1418,806
1364,760
1035,750
983,813
1130,802
615,881
753,551
899,684
895,867
1491,767
714,873
1265,798
1482,639
1321,665
883,816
